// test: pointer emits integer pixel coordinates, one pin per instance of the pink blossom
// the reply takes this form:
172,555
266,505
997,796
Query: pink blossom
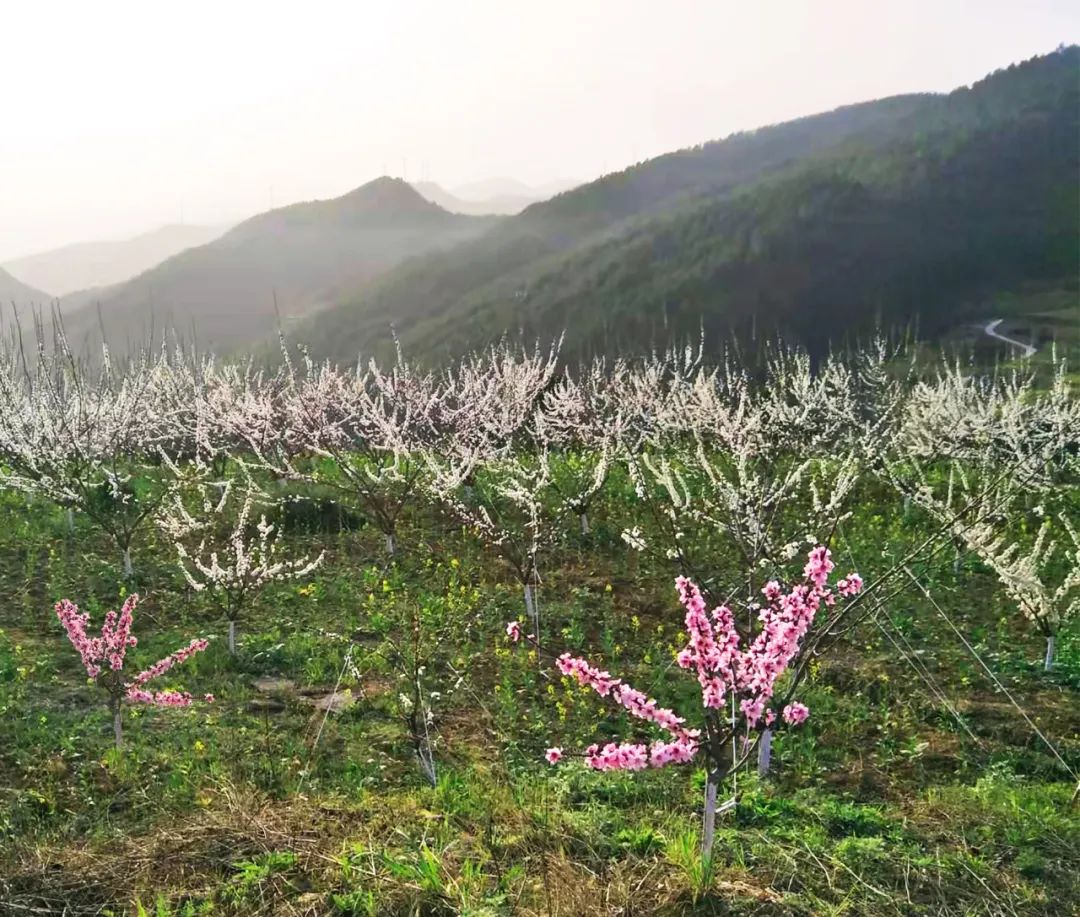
819,566
513,631
105,654
727,669
163,665
796,713
601,682
850,585
553,755
617,757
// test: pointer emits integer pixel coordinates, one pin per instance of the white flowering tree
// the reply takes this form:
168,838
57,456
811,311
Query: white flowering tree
1040,575
91,441
224,550
975,453
583,427
359,433
491,473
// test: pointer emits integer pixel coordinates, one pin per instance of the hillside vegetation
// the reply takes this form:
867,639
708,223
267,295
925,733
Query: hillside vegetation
228,294
914,208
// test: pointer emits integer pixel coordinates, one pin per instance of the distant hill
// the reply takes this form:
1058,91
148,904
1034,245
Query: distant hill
98,264
293,259
16,292
488,188
505,205
503,196
910,207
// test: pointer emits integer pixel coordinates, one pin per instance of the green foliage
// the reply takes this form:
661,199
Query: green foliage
881,801
913,209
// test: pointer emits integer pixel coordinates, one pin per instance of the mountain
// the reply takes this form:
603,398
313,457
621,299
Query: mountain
912,207
504,196
489,188
16,292
505,205
98,264
288,262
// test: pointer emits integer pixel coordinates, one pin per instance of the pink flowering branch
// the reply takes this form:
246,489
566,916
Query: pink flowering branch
103,659
729,669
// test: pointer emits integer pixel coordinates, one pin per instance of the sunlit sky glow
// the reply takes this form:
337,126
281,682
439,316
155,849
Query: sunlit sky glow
118,117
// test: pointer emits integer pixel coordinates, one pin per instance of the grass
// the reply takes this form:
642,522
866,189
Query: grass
260,804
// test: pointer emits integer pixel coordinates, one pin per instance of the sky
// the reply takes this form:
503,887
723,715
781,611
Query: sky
118,117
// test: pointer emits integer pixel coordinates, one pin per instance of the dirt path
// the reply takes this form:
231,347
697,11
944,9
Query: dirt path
991,329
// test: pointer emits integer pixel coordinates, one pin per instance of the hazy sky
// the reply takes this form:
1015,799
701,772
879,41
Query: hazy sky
117,117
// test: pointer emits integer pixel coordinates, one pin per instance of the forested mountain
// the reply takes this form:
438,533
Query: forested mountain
909,206
293,260
87,265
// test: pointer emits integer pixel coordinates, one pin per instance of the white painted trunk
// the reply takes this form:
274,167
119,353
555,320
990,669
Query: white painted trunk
232,638
764,753
1048,662
708,818
390,545
118,728
70,515
956,562
128,570
584,523
531,611
427,762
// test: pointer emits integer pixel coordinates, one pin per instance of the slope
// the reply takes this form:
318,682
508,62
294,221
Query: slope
15,292
99,264
288,261
892,196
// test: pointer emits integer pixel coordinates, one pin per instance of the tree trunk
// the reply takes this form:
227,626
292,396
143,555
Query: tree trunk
1048,662
427,761
764,753
584,523
708,819
128,570
118,726
390,544
531,611
232,638
70,515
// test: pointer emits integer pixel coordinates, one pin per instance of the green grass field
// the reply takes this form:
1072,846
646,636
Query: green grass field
263,803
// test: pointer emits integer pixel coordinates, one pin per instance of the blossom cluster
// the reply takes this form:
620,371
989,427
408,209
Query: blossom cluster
110,647
724,669
105,654
629,756
163,665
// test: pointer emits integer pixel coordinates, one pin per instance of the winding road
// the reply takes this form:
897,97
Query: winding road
991,329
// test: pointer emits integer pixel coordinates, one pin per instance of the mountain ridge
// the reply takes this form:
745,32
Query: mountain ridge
13,290
537,273
85,265
231,293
